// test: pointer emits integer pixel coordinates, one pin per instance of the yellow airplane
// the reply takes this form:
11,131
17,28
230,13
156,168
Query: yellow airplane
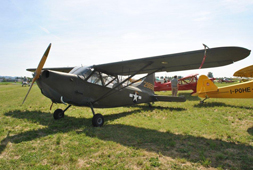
207,89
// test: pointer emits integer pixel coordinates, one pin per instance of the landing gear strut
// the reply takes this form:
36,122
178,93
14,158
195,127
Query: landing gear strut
203,101
98,119
59,113
150,105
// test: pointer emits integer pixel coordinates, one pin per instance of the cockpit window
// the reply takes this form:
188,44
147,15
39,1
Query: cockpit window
88,74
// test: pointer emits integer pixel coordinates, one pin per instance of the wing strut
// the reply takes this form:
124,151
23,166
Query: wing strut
206,47
106,95
122,82
142,78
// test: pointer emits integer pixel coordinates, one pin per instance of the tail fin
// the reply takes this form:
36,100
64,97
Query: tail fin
205,85
148,84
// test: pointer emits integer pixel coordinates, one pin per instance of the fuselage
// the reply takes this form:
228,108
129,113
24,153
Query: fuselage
87,88
242,90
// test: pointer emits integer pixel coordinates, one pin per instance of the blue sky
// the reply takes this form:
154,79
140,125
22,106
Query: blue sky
87,32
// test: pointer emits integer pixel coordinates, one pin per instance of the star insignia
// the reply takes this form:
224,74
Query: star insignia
135,97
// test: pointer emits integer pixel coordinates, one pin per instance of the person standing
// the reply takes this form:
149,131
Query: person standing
164,80
174,86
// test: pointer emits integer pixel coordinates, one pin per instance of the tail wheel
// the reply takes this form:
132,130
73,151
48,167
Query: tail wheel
58,114
97,120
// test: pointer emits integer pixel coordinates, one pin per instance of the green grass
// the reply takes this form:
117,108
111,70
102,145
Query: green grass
9,83
216,135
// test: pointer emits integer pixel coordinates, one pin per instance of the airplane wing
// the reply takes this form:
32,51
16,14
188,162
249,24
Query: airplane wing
176,62
245,72
61,69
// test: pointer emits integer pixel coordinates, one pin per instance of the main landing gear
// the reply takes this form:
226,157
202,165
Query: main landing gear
97,120
203,101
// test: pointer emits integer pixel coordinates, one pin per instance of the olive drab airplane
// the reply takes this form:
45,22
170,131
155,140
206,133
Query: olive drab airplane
207,89
98,86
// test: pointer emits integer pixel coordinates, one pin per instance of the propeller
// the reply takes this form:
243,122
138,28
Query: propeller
38,70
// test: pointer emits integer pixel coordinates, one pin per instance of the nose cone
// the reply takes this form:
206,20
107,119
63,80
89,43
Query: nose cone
48,91
55,85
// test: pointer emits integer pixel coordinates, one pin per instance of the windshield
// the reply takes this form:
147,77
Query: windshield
82,71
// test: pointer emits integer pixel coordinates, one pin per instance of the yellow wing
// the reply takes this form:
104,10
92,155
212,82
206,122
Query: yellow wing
244,72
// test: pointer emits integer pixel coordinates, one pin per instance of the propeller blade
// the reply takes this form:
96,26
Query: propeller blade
27,93
41,64
38,70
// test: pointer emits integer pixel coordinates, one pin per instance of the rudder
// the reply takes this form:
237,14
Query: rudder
205,85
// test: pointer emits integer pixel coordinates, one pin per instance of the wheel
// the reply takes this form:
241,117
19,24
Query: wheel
97,120
58,114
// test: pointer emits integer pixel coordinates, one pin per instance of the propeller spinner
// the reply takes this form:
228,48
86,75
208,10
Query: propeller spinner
38,70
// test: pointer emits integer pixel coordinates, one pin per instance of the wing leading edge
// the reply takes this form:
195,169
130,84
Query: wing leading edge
176,62
61,69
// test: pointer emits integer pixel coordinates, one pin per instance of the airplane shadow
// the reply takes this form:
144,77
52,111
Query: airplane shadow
192,148
153,107
213,104
250,131
53,126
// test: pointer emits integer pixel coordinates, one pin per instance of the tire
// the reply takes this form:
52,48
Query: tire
97,120
58,114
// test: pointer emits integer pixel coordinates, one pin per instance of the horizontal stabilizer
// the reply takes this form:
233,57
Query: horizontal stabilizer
169,98
195,94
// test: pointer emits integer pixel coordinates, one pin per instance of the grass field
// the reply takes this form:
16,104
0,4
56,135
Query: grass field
216,135
9,83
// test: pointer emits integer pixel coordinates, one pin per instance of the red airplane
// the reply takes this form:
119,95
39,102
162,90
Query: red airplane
186,83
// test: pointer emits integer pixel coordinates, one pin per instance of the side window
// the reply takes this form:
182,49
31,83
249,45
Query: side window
109,80
95,78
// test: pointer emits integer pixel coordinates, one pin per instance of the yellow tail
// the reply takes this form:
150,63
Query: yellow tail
205,85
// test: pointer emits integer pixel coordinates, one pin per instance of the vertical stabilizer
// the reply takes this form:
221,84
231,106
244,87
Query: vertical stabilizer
205,85
148,84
